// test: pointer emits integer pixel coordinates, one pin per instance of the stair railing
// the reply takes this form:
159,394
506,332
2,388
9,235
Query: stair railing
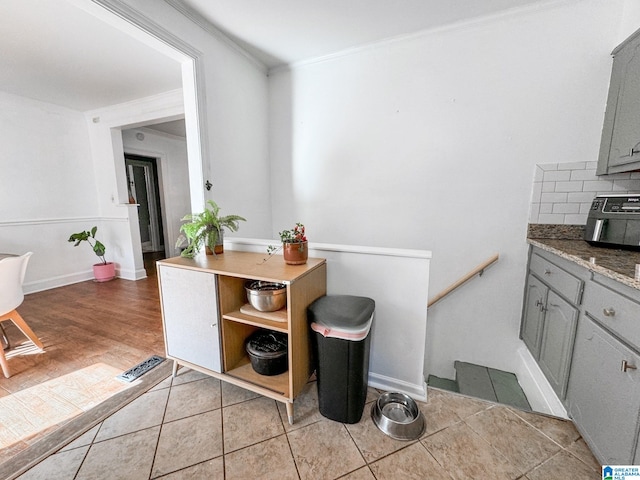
479,270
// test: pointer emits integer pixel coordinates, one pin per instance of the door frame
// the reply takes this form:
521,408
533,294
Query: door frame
157,218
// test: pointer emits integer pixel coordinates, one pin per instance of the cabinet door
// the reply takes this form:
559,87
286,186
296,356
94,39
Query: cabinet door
533,315
603,399
190,316
556,345
620,145
625,140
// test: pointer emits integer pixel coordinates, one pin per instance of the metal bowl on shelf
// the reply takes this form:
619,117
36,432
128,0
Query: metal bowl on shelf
266,296
398,416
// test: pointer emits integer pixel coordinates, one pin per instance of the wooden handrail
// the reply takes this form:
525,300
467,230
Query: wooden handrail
479,270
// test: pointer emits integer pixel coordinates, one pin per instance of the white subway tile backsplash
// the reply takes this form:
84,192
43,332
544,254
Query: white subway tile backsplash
536,192
583,174
577,219
580,197
534,211
585,207
562,192
572,166
566,208
538,174
548,166
555,176
546,207
569,186
551,218
626,185
553,197
597,186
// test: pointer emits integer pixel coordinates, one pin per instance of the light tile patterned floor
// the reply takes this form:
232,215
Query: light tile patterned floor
195,427
49,404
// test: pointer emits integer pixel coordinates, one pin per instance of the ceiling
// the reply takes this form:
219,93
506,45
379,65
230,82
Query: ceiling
55,52
287,31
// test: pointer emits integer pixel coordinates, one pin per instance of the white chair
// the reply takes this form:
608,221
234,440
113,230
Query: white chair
12,270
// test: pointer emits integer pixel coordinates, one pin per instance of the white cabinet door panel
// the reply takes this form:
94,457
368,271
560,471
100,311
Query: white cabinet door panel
190,311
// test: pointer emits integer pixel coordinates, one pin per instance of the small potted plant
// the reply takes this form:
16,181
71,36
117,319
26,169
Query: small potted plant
295,247
103,271
207,228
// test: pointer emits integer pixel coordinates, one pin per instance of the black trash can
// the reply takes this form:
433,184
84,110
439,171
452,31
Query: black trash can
342,342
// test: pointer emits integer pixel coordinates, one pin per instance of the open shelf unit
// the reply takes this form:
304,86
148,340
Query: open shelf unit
305,283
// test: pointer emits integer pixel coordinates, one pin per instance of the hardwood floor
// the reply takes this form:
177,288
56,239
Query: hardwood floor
116,323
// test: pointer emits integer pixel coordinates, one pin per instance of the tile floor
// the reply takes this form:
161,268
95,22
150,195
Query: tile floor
196,427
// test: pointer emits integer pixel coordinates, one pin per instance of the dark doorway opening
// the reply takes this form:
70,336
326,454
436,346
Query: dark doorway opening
143,189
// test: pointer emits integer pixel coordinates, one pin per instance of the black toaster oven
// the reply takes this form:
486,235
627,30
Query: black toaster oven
614,221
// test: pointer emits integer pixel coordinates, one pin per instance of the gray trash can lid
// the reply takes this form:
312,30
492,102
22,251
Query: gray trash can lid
342,316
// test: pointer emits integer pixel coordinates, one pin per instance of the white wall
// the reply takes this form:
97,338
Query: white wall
47,189
430,143
173,171
58,177
236,138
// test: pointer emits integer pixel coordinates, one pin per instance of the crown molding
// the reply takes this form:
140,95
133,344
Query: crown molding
214,31
470,23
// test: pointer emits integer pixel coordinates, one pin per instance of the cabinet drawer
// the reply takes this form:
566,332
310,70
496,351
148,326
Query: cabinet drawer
620,314
561,281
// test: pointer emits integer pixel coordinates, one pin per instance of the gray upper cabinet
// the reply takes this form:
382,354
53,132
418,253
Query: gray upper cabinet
620,144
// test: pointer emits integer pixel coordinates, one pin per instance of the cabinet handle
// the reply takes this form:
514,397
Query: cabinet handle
626,366
214,325
547,271
609,312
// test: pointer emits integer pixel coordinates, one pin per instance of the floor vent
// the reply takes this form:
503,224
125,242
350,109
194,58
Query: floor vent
140,369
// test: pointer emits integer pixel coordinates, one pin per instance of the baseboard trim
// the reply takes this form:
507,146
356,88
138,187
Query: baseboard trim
541,396
382,382
59,281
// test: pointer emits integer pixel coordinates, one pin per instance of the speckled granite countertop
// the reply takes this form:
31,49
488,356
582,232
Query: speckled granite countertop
610,262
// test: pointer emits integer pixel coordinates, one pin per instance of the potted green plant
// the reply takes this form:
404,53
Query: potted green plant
103,271
207,228
295,247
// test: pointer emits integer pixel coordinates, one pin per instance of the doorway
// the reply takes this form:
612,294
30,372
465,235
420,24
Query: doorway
143,190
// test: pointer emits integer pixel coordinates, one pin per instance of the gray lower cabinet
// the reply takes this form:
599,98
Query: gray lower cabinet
603,399
550,316
583,328
533,318
556,346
